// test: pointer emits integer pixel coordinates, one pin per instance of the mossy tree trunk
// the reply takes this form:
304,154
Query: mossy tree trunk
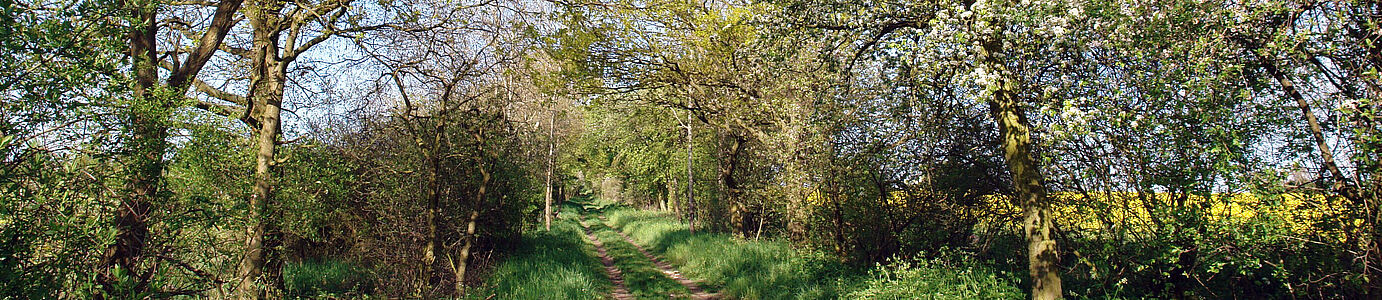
1000,86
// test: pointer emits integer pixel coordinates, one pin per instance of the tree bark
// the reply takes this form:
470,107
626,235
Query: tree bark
1312,123
1015,134
690,180
738,214
463,257
432,152
429,251
551,153
145,156
260,272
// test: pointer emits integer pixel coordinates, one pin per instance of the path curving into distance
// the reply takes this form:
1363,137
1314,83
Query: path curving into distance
616,276
695,287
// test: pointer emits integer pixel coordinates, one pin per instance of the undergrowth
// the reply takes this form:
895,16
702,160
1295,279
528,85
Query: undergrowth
933,279
325,279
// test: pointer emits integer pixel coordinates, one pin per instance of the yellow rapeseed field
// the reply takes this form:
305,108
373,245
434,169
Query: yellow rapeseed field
1133,212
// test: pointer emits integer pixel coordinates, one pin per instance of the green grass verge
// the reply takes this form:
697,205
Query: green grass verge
933,279
550,265
738,269
769,269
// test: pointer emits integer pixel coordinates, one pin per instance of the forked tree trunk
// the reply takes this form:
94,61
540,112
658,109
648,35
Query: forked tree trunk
260,269
434,194
432,152
147,118
738,214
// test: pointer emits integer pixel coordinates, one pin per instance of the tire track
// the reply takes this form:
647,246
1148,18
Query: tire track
694,286
616,276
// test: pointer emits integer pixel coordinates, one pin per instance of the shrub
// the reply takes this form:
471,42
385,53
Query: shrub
934,279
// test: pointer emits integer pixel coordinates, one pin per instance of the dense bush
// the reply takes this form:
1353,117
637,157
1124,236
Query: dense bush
934,279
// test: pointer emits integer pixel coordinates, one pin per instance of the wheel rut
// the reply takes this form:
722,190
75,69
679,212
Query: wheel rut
694,286
616,276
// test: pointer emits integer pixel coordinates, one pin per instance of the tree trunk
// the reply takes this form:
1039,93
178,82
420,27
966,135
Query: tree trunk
1341,183
463,257
669,195
690,181
147,144
837,216
144,162
551,153
434,191
1007,112
739,215
462,260
259,274
260,268
433,152
1368,234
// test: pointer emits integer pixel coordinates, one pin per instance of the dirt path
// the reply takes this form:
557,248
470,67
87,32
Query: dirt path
616,276
695,287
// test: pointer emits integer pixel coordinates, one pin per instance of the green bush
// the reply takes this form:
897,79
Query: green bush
934,279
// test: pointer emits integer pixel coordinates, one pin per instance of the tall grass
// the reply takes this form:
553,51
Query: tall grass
550,265
770,269
934,279
739,269
325,279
